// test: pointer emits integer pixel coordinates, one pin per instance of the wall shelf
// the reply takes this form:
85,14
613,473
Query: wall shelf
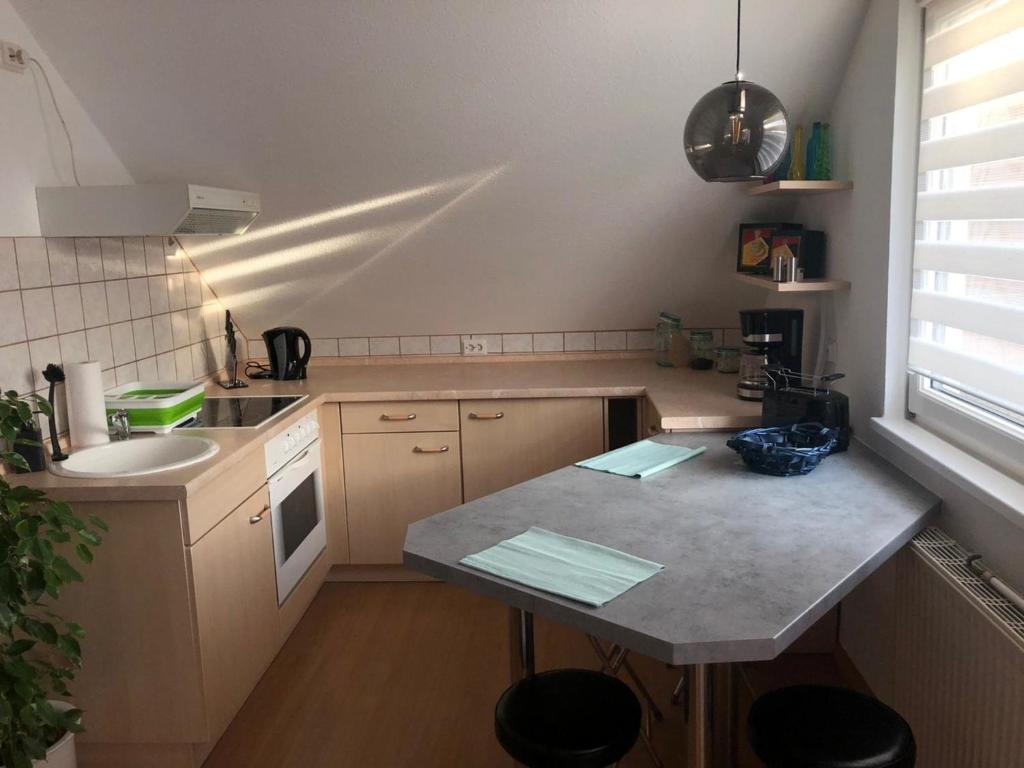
793,187
802,286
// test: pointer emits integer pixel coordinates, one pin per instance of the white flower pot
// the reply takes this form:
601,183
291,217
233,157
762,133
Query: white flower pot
61,754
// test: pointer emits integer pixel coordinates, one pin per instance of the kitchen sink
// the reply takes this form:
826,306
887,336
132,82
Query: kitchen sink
136,457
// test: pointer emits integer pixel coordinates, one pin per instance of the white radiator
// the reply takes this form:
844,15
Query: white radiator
946,651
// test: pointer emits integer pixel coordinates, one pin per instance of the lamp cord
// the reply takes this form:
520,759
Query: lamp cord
63,123
739,4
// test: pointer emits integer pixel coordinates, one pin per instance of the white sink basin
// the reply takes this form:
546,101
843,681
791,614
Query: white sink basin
140,456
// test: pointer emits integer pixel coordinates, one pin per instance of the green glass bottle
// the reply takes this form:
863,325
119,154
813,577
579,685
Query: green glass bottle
823,154
796,161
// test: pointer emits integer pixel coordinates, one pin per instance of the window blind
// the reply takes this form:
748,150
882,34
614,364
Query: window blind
967,310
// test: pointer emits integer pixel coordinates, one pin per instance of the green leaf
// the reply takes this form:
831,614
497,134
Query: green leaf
75,629
27,528
98,522
65,570
6,713
18,647
69,647
16,459
84,553
41,630
89,537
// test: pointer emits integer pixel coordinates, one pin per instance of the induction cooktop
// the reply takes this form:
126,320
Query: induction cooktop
221,412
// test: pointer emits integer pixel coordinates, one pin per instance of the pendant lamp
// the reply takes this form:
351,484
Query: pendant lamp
738,131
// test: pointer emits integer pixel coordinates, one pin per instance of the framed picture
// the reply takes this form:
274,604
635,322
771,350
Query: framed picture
807,246
753,254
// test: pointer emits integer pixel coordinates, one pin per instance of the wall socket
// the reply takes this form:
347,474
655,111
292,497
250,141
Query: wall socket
473,346
13,57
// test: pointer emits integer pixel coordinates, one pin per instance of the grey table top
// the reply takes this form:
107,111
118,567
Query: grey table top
751,561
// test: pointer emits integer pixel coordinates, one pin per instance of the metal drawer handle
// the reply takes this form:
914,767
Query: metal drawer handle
253,519
442,449
402,417
487,416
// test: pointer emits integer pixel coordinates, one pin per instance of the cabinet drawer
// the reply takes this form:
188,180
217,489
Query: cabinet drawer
418,416
392,481
505,442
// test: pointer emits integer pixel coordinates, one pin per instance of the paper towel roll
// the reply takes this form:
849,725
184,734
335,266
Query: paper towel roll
87,410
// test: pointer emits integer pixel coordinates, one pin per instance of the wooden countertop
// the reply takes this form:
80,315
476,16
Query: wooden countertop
685,400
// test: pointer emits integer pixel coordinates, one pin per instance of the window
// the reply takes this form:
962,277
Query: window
966,351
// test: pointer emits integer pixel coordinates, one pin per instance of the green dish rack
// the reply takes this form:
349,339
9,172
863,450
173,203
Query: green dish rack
158,406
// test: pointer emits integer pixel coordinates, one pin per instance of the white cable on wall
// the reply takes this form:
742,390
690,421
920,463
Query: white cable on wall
63,123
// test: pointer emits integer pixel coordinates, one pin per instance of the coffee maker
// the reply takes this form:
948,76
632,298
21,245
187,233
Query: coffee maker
772,337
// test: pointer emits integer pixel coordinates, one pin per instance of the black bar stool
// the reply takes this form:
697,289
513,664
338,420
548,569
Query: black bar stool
568,718
817,726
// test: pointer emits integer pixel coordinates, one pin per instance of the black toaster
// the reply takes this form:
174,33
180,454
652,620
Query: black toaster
794,398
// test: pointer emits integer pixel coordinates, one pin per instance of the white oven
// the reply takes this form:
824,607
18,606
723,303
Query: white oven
295,480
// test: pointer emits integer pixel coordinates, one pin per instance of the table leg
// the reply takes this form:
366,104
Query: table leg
521,653
700,722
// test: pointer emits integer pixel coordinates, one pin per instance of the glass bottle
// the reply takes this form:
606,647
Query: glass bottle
727,359
823,154
702,350
812,151
668,340
796,160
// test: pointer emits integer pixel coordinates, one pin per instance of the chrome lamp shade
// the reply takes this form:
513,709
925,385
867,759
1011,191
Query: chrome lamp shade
737,132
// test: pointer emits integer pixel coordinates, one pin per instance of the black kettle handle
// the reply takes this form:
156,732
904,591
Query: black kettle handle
308,351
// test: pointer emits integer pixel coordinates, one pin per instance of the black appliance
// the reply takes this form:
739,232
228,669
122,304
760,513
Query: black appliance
283,352
772,338
220,412
795,398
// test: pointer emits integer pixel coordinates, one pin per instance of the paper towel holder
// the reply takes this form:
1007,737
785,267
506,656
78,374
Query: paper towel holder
54,374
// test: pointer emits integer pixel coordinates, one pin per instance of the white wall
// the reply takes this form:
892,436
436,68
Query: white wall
33,150
544,140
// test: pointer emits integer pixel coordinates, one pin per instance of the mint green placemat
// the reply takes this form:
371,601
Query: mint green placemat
562,565
640,459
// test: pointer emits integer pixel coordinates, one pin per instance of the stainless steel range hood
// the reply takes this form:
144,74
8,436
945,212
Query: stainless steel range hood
144,209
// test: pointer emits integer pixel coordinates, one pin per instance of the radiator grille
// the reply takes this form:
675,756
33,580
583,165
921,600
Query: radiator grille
950,558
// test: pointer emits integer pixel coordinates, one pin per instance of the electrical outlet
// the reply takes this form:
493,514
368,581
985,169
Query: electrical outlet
12,57
474,346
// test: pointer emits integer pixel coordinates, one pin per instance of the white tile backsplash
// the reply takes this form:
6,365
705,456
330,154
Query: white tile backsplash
12,318
94,304
112,251
173,256
193,289
354,347
15,368
579,341
126,374
384,345
123,342
610,341
8,265
40,318
179,328
325,347
67,302
73,347
516,343
90,259
163,338
158,298
638,340
142,330
43,352
176,292
154,247
183,363
117,301
445,345
548,342
63,261
148,370
33,266
138,297
165,368
414,345
134,257
98,342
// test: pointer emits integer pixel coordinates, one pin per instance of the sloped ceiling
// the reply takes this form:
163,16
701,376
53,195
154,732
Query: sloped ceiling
432,166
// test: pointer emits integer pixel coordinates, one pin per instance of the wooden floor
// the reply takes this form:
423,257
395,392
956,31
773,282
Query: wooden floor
404,674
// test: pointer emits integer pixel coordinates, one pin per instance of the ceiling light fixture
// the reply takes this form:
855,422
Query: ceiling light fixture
737,132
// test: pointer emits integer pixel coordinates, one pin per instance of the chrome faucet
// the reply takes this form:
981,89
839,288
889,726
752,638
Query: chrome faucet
119,427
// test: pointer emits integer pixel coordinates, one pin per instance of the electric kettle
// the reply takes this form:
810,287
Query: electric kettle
283,352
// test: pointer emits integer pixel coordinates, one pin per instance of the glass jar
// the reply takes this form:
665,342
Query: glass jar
727,359
702,350
668,340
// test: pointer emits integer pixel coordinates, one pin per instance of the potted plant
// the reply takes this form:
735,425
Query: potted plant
39,651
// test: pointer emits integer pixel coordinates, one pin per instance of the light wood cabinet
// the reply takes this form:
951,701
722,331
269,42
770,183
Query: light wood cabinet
505,442
236,606
393,480
405,416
